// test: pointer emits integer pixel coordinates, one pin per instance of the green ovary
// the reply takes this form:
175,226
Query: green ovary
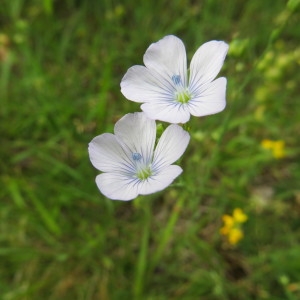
144,173
183,97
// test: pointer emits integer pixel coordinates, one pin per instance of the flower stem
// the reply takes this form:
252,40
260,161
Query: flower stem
166,235
141,265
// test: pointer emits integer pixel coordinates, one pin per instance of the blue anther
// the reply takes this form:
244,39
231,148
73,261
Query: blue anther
176,79
136,156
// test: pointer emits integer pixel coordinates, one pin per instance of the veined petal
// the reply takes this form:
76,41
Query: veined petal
159,181
167,57
170,147
140,84
211,100
138,134
206,64
167,111
117,187
107,155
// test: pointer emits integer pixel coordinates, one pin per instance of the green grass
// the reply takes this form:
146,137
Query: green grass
61,63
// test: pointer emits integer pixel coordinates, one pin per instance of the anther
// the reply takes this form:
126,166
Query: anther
136,156
176,79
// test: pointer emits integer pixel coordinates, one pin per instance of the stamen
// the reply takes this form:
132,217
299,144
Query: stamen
183,97
176,79
182,94
144,173
136,156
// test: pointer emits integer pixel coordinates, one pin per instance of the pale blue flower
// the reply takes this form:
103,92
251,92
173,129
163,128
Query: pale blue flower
171,93
129,160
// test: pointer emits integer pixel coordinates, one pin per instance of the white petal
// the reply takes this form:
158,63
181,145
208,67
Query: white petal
170,112
159,181
140,84
107,155
170,147
167,56
211,100
117,187
138,133
206,63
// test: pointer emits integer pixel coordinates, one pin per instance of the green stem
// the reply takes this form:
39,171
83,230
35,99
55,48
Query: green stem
166,235
142,258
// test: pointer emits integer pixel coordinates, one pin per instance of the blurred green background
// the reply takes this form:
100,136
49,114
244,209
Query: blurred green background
61,63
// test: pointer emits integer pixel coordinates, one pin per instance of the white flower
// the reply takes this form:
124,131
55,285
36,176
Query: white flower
129,163
168,90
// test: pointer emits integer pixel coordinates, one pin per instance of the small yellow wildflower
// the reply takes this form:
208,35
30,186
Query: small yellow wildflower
235,235
239,216
267,144
277,147
232,226
228,224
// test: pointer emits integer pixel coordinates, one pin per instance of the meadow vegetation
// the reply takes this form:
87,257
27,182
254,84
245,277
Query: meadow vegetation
61,64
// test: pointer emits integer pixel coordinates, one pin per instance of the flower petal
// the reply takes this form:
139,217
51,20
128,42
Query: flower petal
117,187
206,64
138,133
159,181
167,111
211,100
107,155
167,57
170,147
140,84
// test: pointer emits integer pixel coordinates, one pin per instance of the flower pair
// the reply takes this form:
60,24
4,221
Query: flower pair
129,160
232,226
276,147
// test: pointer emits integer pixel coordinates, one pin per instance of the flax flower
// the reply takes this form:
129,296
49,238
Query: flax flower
129,160
168,90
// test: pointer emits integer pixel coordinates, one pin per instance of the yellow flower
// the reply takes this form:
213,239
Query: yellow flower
232,226
277,147
228,224
267,144
239,216
235,235
228,220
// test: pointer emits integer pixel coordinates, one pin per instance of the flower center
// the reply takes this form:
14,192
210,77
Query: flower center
183,97
182,94
143,171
